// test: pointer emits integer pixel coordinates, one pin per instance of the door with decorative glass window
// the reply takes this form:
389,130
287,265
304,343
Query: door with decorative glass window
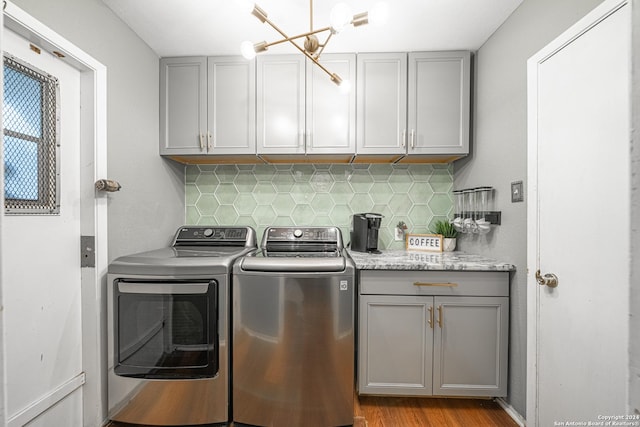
41,236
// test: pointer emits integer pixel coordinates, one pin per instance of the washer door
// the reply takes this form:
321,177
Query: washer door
166,329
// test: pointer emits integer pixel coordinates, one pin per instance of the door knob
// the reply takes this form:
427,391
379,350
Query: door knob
107,185
549,279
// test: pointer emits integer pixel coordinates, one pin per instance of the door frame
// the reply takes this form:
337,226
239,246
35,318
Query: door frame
93,133
598,14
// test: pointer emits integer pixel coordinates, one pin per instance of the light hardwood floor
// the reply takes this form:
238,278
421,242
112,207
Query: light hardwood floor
373,411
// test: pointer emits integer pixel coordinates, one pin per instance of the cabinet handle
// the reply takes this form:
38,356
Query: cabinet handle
431,317
202,142
209,140
440,316
413,138
442,285
404,138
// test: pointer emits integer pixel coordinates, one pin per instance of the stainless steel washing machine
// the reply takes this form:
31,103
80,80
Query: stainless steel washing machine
168,328
294,330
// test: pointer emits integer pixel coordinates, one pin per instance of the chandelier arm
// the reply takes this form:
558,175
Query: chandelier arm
322,67
334,77
282,33
288,39
322,46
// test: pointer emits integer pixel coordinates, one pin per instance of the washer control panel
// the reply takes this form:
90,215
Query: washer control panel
302,234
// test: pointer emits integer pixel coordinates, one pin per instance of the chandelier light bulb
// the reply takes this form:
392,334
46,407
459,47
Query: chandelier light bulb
345,87
246,6
340,17
247,50
379,14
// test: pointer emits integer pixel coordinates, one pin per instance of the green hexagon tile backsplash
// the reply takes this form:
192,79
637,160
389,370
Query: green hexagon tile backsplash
320,194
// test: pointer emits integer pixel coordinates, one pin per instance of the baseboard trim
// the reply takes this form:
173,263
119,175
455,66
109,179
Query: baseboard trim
512,412
41,405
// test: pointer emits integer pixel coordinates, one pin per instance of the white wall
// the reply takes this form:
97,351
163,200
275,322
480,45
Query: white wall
150,206
499,150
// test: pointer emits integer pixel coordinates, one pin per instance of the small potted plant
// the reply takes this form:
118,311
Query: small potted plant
448,233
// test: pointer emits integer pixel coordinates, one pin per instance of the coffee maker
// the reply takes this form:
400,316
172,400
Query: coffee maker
364,237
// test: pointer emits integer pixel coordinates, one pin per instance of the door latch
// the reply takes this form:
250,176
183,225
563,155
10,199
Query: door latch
87,251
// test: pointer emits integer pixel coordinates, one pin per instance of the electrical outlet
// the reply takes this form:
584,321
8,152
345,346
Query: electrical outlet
399,234
517,192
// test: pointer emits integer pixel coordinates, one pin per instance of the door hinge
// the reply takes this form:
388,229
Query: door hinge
87,251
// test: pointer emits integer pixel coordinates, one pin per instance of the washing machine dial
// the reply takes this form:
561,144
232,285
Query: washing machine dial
208,232
297,233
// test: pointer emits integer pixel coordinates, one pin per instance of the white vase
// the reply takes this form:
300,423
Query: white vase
449,244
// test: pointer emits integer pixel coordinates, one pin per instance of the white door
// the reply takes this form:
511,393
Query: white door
42,280
52,308
578,223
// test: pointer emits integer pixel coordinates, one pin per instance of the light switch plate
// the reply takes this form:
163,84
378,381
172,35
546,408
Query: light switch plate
517,192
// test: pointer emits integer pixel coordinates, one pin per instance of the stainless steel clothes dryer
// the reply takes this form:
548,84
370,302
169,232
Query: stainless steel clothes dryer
168,328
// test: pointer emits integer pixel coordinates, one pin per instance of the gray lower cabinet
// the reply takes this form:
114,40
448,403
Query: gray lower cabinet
433,333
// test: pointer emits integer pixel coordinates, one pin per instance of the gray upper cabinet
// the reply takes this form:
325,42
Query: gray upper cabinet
231,104
382,103
331,113
207,106
416,105
183,105
280,100
439,103
402,107
300,111
433,333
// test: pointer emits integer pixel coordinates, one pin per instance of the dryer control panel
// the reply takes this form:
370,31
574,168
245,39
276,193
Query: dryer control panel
214,236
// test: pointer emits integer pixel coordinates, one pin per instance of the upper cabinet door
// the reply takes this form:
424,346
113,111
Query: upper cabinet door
183,105
280,119
439,107
231,105
331,113
381,103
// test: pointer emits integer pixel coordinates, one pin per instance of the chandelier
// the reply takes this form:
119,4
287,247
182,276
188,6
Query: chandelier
340,17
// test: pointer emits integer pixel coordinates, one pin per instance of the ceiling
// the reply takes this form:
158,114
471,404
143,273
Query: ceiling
217,27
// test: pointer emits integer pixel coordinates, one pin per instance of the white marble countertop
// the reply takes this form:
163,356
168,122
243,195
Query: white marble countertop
418,260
